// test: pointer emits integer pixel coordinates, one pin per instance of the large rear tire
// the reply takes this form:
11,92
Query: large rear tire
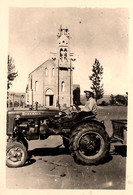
16,154
89,144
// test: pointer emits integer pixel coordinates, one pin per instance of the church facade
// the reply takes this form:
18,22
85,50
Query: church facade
51,84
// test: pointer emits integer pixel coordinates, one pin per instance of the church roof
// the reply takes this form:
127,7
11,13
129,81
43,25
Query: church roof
48,62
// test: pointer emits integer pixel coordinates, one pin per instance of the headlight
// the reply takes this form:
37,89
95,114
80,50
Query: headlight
17,116
60,113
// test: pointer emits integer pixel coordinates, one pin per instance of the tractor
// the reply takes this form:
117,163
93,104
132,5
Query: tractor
84,136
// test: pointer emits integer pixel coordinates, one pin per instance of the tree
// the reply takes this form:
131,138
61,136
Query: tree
112,99
12,74
96,78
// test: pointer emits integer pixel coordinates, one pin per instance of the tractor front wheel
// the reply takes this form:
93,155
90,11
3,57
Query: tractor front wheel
16,154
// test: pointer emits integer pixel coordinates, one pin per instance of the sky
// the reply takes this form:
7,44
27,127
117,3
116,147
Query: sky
100,33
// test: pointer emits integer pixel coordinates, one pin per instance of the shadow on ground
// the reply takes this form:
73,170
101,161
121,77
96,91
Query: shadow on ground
58,151
47,151
29,162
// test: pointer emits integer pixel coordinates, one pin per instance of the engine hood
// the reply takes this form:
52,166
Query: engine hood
34,113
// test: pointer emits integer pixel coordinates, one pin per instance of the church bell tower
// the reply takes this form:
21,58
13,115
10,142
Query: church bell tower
65,69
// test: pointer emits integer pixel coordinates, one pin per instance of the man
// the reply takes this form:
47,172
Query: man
90,104
90,108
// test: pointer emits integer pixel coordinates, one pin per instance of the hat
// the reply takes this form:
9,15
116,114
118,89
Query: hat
90,91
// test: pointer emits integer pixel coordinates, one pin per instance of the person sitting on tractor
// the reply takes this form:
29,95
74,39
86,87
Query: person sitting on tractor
90,103
88,110
90,107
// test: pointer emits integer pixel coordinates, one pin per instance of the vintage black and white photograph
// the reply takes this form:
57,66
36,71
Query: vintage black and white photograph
67,98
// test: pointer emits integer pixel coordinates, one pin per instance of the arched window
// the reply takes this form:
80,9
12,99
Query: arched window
61,53
36,85
49,92
65,54
46,71
62,86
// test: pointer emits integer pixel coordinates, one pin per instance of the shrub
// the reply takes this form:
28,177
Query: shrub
118,100
104,103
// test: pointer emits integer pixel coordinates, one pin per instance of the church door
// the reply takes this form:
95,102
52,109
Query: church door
49,98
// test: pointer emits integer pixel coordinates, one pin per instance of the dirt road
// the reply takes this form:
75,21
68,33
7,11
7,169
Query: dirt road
52,167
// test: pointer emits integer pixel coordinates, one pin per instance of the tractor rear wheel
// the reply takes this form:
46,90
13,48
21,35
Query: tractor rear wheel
89,144
16,154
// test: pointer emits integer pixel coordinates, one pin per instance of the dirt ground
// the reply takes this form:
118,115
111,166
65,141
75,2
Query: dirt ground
52,167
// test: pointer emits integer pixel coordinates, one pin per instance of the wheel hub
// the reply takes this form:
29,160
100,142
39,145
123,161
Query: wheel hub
89,144
15,154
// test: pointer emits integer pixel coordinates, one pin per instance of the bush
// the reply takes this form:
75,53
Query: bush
119,100
104,103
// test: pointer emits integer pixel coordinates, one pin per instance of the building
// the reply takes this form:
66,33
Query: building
15,99
51,84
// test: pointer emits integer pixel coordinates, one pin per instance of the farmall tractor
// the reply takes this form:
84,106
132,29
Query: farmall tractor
84,136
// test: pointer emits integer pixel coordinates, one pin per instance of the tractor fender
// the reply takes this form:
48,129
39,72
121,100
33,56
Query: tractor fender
87,121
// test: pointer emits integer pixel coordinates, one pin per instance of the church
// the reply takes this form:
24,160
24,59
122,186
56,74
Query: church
51,84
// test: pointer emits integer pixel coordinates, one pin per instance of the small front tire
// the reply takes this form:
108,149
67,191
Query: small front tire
16,154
